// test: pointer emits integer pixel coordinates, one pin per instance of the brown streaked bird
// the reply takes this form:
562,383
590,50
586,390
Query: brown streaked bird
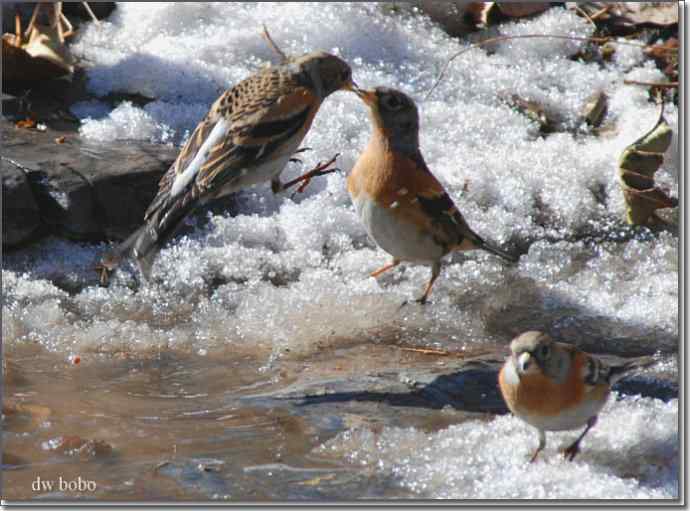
403,207
554,386
248,136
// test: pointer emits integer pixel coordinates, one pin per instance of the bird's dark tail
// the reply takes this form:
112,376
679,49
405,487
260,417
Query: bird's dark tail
619,371
496,251
145,243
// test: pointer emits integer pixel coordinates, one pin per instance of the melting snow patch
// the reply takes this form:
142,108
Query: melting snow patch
480,460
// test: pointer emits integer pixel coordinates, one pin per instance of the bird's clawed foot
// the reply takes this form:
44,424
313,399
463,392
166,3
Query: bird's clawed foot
105,267
422,300
321,169
535,456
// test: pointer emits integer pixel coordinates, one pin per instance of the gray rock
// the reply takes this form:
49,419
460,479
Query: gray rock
83,191
20,214
65,199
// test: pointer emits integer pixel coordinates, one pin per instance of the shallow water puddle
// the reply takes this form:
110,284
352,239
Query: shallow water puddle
174,425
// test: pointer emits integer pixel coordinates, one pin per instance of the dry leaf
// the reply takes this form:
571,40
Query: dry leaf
61,140
27,123
594,109
547,120
637,166
630,15
666,57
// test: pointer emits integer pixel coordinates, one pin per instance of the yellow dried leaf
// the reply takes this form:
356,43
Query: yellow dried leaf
637,166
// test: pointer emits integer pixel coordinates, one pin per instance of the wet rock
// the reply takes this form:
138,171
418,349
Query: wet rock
20,213
198,475
65,199
80,190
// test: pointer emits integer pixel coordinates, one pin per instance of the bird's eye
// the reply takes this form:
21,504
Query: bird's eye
544,352
392,102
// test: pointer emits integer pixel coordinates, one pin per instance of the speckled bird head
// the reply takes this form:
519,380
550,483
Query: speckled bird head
327,72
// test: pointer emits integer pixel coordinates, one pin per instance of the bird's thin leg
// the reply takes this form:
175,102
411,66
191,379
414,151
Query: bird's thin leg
88,9
70,28
542,444
573,449
385,268
435,271
32,21
17,28
319,170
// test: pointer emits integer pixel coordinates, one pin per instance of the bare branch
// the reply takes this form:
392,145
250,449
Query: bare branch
273,45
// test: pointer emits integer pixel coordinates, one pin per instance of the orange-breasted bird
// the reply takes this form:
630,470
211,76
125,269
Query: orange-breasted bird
247,137
403,207
554,386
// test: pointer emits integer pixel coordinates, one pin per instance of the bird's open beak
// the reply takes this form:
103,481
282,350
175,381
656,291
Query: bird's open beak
368,96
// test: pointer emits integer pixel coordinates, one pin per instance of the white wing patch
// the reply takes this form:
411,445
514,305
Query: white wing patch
189,174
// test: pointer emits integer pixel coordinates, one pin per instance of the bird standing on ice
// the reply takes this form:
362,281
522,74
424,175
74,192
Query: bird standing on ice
402,205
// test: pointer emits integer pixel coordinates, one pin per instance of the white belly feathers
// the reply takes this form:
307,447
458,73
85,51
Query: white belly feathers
403,240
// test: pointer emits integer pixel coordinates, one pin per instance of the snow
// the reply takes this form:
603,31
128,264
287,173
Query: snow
490,460
291,272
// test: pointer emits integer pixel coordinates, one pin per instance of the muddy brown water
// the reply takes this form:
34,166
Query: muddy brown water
171,425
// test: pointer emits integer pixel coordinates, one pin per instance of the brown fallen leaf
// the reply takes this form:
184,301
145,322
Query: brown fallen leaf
629,15
28,123
666,57
547,120
637,166
594,109
61,140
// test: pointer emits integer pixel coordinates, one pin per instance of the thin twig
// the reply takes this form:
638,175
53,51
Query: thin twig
273,45
427,351
584,13
664,85
600,40
600,12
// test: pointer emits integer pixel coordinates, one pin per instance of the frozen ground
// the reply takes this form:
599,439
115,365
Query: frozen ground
489,460
292,274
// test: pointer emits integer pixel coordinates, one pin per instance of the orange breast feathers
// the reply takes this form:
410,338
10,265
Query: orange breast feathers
394,181
538,395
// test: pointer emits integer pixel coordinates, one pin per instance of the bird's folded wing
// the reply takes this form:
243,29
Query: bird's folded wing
429,206
234,137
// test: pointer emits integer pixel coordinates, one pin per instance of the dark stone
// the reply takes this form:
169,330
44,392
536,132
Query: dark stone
66,200
84,191
20,213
